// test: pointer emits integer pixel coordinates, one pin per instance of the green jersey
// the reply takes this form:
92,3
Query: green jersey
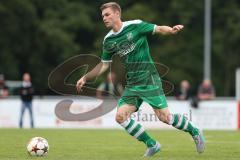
130,43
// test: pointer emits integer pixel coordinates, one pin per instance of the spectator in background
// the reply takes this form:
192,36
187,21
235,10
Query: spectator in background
184,92
206,90
3,87
26,93
110,85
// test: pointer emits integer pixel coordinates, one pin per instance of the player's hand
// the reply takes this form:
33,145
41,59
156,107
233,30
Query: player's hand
80,83
177,28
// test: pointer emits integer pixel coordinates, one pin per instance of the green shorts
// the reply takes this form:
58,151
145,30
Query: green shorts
148,90
155,99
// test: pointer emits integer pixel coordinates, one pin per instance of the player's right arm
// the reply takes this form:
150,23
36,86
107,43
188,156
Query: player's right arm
106,59
96,71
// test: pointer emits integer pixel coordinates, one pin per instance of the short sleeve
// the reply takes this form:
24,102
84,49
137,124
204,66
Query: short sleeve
108,51
106,57
146,28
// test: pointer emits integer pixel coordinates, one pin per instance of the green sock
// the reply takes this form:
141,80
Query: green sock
182,123
136,130
144,137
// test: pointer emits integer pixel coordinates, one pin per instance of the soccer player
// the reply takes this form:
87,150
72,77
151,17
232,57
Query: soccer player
129,41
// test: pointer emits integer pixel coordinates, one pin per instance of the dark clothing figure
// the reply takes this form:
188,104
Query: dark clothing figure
206,91
3,87
26,93
184,92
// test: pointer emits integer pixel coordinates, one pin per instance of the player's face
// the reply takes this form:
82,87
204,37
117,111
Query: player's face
110,16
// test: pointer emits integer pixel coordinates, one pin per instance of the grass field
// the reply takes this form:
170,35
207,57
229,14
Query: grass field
66,144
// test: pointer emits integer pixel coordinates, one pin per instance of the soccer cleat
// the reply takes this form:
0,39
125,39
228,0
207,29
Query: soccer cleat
200,142
152,150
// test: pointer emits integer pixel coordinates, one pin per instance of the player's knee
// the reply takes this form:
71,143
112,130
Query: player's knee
120,118
164,118
169,118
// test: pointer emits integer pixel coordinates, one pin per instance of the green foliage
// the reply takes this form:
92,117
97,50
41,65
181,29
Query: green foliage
38,35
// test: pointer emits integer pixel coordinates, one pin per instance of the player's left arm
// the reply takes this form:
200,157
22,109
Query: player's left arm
166,30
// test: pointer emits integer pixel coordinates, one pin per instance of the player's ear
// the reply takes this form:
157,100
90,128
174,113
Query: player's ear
118,14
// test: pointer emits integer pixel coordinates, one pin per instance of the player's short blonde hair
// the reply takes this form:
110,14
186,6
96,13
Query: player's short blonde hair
113,5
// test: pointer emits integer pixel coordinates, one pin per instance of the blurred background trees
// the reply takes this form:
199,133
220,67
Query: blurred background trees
38,35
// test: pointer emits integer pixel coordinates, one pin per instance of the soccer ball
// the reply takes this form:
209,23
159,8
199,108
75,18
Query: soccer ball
38,146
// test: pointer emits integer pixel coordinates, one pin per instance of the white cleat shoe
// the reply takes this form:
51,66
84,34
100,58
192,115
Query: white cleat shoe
152,150
200,142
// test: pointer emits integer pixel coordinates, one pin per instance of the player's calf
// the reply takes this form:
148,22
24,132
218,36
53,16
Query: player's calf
182,123
136,130
120,118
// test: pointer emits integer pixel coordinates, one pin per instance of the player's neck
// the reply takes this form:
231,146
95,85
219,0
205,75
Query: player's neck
117,26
